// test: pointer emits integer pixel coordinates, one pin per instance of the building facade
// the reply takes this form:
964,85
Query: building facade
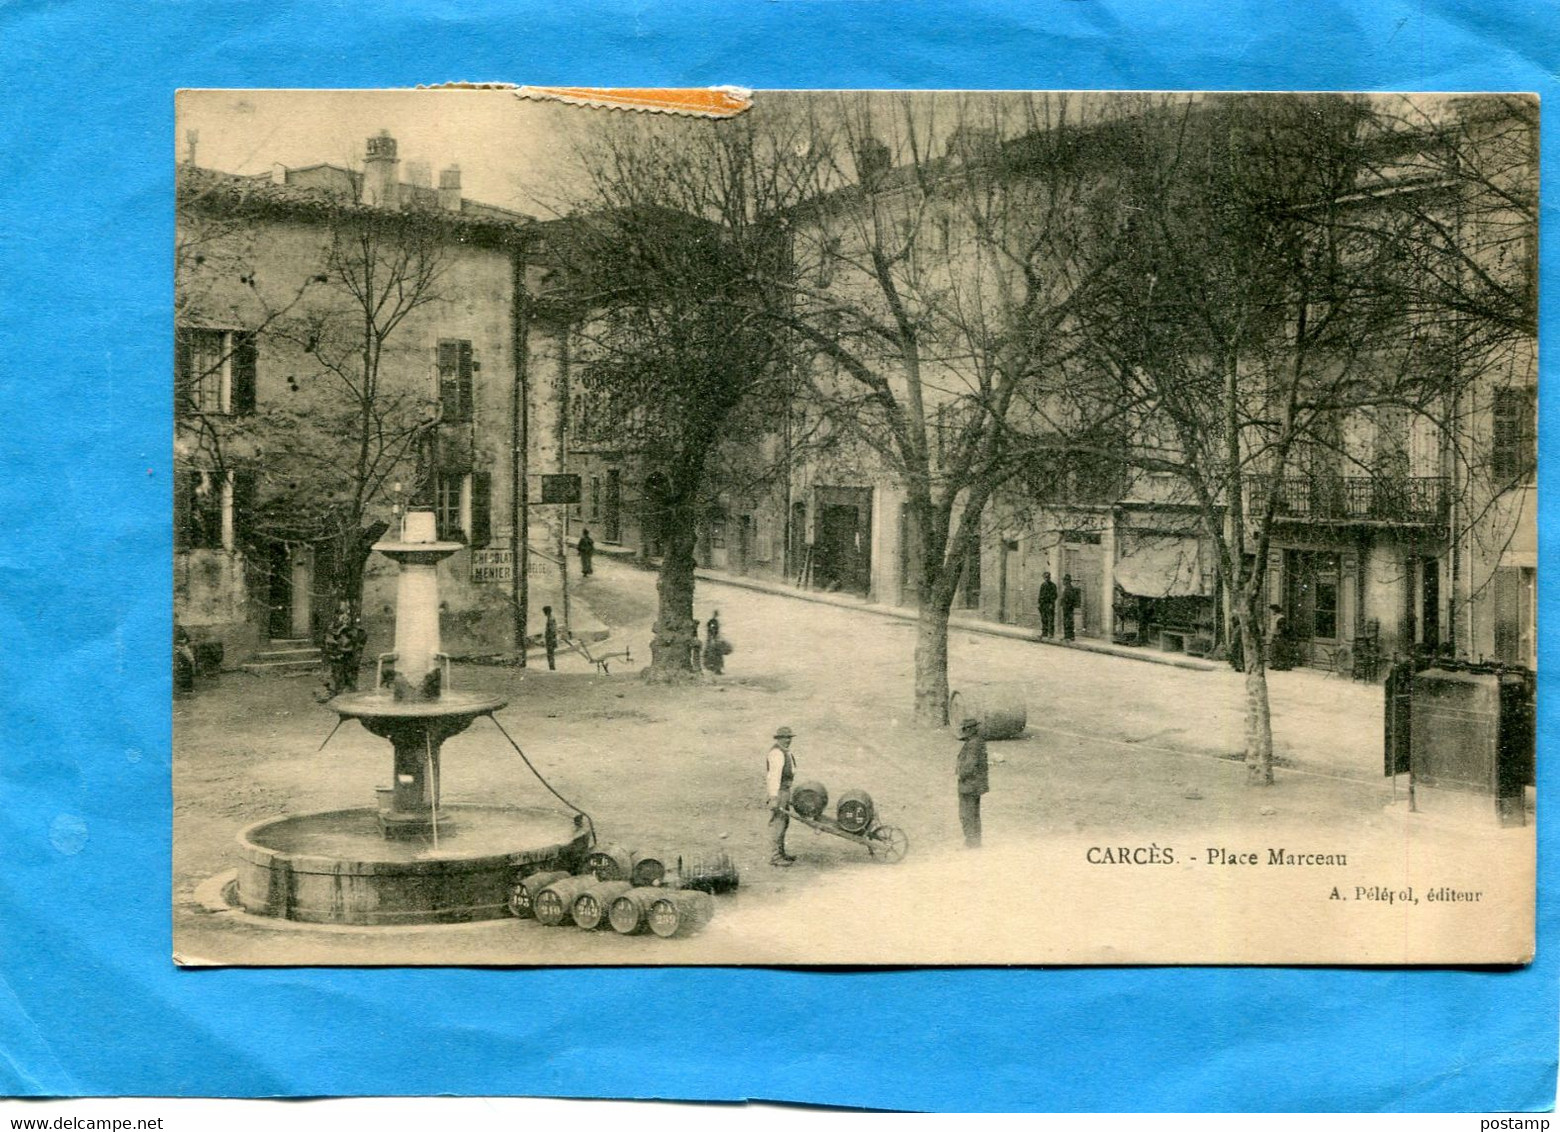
349,343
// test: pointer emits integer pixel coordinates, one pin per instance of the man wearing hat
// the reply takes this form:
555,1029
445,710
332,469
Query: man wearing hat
970,769
781,770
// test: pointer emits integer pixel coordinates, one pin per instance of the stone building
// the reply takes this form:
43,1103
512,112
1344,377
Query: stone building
285,283
1394,531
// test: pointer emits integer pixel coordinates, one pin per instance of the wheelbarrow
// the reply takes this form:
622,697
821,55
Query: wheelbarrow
854,820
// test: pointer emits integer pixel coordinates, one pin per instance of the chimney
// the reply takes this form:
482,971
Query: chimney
380,185
449,188
278,173
419,175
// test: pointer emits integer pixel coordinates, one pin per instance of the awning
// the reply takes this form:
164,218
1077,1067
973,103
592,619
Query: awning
1161,566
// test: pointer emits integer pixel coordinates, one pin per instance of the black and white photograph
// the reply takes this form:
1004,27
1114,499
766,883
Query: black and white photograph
833,528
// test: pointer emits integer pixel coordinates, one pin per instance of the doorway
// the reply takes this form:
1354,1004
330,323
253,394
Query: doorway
843,555
290,597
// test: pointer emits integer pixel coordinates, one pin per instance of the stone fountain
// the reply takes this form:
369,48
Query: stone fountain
412,858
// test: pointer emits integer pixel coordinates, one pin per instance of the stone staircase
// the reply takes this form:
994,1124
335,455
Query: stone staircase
284,658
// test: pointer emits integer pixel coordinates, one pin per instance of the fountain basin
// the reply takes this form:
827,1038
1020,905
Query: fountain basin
337,867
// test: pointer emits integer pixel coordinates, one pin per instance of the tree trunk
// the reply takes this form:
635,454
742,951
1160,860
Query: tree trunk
673,633
931,658
1259,718
354,560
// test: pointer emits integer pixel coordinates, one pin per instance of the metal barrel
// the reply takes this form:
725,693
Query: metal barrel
590,907
809,798
855,811
609,862
553,903
998,708
627,913
647,869
522,897
680,912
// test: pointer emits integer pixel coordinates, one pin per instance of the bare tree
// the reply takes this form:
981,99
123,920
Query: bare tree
1250,317
364,414
675,356
938,278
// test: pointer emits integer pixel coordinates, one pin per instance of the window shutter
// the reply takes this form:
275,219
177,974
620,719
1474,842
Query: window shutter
481,508
245,357
463,370
181,369
183,495
448,386
244,500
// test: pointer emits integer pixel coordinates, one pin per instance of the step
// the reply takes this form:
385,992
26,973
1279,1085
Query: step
309,654
278,667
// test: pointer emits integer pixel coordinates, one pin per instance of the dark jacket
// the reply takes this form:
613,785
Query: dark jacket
1071,597
1047,595
971,766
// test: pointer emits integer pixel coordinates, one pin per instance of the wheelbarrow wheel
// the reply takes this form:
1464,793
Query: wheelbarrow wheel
890,844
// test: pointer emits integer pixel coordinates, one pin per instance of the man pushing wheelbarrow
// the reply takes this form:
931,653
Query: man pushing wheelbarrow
855,817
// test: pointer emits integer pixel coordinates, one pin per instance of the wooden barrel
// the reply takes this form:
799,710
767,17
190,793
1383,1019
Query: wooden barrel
809,798
855,811
554,903
590,906
999,708
680,912
522,898
609,862
647,869
628,913
716,874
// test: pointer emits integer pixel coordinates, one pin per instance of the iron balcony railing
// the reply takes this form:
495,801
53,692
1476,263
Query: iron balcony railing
1385,499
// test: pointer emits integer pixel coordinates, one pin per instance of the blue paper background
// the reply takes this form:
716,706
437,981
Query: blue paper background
90,1002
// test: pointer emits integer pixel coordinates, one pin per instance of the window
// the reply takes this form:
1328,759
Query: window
203,508
1514,588
455,370
214,370
463,507
448,495
1515,454
1313,583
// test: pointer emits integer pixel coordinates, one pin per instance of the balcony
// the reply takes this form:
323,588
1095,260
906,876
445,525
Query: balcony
1396,500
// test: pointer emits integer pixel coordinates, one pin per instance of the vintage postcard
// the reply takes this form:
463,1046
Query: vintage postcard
712,528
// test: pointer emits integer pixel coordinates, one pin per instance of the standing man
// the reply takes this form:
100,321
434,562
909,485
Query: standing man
550,638
1070,599
1047,606
970,770
587,549
780,770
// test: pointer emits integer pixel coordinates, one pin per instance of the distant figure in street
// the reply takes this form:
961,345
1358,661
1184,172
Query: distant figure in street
587,549
1070,599
779,772
343,651
716,647
1047,604
970,771
550,638
695,649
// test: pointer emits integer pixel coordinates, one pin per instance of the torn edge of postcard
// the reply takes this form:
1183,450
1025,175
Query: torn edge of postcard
699,102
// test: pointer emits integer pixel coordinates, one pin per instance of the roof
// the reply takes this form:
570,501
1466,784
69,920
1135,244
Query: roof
318,192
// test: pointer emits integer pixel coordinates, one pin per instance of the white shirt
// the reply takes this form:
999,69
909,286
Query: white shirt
776,768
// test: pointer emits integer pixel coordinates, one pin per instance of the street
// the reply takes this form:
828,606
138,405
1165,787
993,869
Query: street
1116,752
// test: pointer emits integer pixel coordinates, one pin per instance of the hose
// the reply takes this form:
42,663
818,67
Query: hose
588,821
